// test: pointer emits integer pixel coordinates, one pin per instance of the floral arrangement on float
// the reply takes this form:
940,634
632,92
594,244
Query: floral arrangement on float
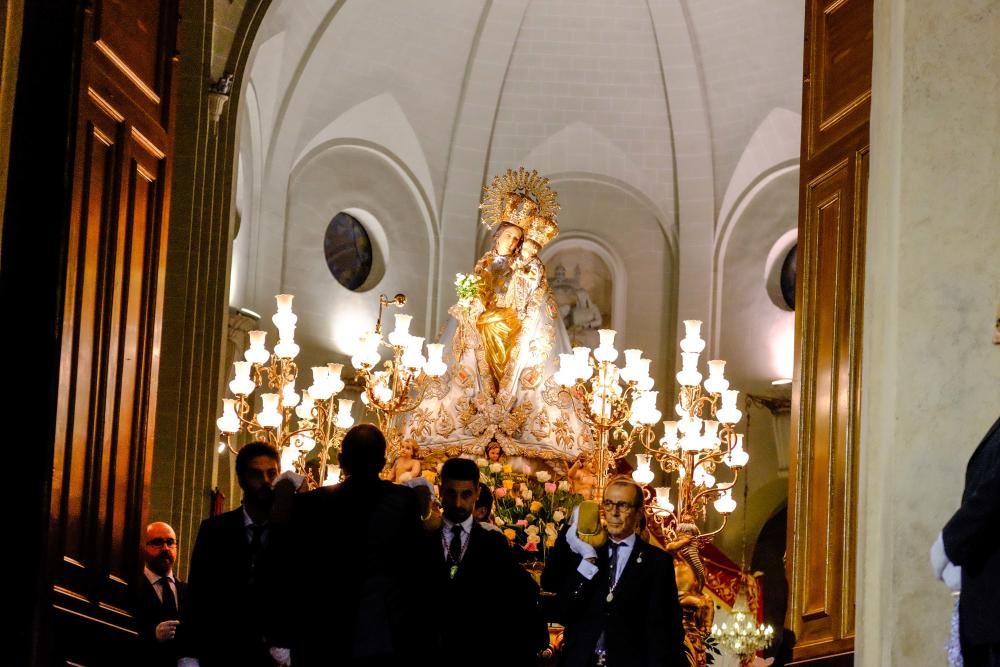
529,507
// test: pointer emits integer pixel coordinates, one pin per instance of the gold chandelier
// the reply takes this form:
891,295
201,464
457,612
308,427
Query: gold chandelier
399,386
703,437
320,421
617,404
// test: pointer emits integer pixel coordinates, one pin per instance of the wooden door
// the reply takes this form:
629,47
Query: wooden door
110,326
832,203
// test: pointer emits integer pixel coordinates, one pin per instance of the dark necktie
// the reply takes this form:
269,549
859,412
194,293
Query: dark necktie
455,546
613,565
256,542
169,601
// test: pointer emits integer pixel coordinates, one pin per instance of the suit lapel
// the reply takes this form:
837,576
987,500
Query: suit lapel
633,567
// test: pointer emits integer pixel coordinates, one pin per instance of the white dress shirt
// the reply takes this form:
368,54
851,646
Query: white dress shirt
446,527
154,581
588,569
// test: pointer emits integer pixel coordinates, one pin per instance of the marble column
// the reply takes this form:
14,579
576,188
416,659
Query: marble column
930,371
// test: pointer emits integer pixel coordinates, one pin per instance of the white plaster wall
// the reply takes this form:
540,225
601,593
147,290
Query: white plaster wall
630,229
930,373
751,60
353,177
756,336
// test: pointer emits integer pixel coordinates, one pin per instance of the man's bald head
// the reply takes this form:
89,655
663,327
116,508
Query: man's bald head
159,548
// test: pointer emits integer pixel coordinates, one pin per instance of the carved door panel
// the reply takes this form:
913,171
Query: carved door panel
833,200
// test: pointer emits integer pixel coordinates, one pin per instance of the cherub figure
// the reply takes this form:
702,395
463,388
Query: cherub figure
583,477
494,452
407,466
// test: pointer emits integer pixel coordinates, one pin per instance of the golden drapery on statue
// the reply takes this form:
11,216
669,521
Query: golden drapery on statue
498,329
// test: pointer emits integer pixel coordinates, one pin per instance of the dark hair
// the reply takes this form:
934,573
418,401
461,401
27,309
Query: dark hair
485,499
460,470
362,453
252,450
622,480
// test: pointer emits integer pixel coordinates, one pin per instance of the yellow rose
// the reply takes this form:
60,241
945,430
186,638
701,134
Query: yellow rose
535,506
510,534
429,475
507,469
508,484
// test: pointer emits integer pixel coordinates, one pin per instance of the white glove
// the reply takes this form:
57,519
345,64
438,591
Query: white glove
295,478
575,543
939,559
282,656
166,630
952,577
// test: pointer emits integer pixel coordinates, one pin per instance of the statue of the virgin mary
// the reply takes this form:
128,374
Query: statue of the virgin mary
502,342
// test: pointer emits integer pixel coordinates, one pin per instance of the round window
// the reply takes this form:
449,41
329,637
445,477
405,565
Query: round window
788,277
348,251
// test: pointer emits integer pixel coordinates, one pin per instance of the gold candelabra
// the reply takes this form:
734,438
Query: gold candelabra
617,404
320,422
703,437
400,385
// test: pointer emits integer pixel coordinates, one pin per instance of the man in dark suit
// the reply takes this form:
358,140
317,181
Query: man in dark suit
618,603
228,598
971,541
467,567
157,598
350,553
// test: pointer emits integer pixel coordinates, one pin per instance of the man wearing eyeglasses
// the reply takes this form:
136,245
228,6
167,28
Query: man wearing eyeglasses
159,596
617,602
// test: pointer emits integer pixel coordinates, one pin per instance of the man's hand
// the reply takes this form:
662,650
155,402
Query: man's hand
282,656
166,630
586,551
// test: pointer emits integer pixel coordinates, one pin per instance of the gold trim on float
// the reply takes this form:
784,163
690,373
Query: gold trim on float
127,71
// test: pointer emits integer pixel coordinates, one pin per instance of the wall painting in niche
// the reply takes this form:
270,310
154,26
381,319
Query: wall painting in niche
582,285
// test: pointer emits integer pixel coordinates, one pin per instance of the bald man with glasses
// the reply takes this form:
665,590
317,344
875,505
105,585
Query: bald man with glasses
617,602
158,597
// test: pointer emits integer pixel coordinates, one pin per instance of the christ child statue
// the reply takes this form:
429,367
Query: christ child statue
407,466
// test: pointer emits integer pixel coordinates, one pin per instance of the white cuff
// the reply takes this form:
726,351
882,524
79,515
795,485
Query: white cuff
587,569
939,559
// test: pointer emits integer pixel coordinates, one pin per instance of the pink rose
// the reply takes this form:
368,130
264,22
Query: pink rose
499,492
550,487
531,546
527,469
522,522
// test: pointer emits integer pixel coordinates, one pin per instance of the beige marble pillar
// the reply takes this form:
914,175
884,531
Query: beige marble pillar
931,376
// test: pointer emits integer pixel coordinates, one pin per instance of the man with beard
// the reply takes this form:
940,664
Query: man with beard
465,562
158,597
227,596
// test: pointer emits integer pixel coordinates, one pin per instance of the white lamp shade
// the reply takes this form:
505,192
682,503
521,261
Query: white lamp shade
257,353
401,335
241,383
229,422
269,417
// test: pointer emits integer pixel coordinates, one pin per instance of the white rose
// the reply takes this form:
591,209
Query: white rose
558,516
542,476
518,502
498,521
531,530
526,494
564,485
496,467
481,462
